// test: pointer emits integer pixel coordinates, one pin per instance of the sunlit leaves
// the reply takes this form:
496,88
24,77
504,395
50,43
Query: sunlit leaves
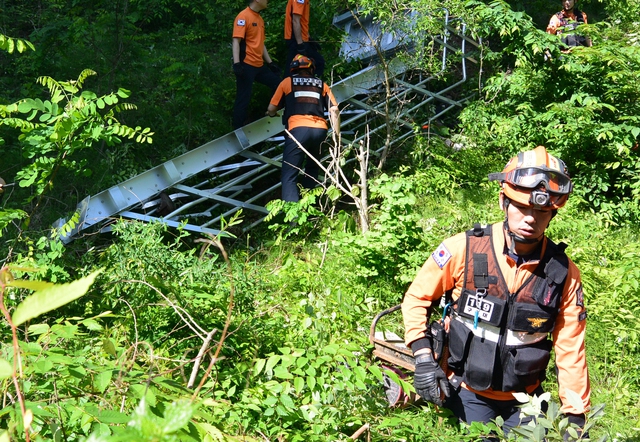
49,297
73,119
14,44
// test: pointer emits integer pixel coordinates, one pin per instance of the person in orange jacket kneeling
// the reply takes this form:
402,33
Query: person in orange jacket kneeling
515,296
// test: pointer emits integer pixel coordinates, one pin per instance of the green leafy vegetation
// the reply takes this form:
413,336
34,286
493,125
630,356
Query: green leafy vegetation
156,334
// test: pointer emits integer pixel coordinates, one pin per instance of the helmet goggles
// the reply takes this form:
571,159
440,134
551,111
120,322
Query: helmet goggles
532,177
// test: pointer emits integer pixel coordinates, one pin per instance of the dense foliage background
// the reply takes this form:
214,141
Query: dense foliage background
265,336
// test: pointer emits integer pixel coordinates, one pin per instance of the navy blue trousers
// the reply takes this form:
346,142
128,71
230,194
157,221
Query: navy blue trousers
293,157
470,407
244,85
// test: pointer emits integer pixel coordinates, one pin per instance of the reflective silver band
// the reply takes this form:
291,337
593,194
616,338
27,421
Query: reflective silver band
492,333
307,94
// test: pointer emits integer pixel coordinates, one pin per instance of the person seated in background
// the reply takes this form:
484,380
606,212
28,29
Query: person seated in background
565,22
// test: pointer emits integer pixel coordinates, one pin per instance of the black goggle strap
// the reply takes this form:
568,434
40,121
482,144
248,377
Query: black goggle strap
481,281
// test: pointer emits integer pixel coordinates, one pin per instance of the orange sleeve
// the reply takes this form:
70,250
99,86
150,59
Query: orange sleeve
552,27
249,26
283,89
239,26
441,272
568,344
301,8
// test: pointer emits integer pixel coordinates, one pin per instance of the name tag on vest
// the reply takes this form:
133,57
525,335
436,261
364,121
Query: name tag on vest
482,306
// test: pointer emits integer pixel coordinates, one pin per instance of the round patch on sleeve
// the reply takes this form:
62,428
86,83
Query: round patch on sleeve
441,255
241,22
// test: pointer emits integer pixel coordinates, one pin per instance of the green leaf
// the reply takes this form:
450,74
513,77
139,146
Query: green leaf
31,285
91,324
38,329
311,382
6,370
211,433
375,370
25,106
51,298
282,373
142,391
574,399
43,366
298,383
257,369
101,380
109,347
113,417
286,400
273,360
177,416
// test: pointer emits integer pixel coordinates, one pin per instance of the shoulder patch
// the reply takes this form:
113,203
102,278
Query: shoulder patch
580,297
241,22
300,1
441,255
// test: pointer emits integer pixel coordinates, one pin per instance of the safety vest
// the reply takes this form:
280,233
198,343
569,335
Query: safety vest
305,98
499,339
567,24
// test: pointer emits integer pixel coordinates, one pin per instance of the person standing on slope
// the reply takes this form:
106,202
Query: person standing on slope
514,296
251,60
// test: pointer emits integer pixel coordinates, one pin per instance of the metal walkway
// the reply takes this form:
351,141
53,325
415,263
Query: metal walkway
199,188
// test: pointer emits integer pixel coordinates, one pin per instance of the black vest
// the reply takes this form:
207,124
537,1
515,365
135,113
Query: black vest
487,318
305,98
570,25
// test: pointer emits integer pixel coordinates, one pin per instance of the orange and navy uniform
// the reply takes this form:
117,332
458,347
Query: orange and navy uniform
249,26
301,8
445,271
326,100
562,18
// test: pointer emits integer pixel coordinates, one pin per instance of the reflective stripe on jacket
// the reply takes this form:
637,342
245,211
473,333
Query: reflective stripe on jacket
305,100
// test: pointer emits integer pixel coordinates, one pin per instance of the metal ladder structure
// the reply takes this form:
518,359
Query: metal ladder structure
211,182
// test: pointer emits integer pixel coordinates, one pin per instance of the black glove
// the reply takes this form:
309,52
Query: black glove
274,68
301,48
238,69
429,379
579,420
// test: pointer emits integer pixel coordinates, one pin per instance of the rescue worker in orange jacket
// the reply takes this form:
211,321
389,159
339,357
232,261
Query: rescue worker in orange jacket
305,99
511,288
296,35
249,58
566,21
2,185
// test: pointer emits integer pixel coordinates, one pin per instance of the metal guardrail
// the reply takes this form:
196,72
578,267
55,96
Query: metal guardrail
199,188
